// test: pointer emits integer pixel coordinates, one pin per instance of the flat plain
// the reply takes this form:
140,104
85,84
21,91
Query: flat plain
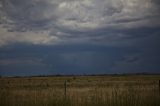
109,90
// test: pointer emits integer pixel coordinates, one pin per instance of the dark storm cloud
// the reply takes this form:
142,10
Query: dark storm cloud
157,2
82,35
76,59
84,17
28,14
80,59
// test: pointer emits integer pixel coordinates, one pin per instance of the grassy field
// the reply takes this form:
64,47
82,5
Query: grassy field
129,90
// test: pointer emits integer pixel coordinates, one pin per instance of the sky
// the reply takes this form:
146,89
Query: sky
41,37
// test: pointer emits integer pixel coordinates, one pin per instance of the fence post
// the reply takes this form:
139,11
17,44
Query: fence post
159,86
65,88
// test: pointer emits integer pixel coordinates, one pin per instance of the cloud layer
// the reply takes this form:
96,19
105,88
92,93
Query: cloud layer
71,20
79,36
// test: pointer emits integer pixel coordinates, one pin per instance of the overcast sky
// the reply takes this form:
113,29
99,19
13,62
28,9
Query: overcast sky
40,37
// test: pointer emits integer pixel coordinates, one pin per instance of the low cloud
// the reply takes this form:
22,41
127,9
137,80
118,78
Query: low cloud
71,20
41,38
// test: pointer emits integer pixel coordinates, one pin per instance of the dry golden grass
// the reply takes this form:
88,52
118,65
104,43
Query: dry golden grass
81,91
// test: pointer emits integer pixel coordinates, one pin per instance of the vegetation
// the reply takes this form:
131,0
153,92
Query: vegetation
127,90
